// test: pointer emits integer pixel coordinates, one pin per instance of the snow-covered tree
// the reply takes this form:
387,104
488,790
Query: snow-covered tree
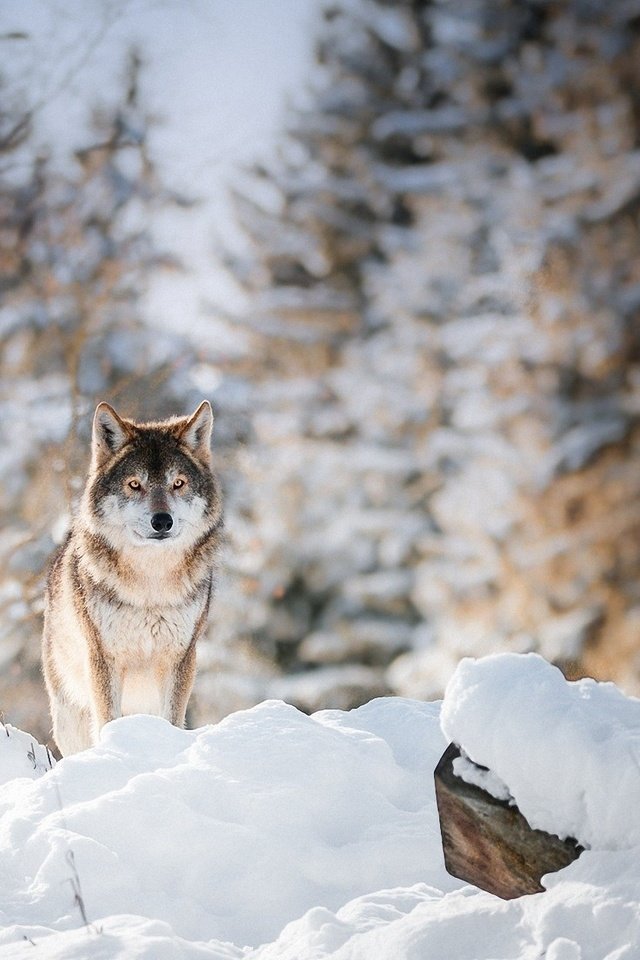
76,255
445,387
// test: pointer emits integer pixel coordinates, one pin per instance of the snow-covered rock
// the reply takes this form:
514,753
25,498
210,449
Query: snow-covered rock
568,753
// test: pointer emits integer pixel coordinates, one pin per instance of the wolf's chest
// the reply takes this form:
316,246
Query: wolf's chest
138,633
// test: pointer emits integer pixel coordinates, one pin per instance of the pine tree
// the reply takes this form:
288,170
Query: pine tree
444,320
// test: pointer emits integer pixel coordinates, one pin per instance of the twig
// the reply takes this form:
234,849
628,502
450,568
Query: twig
78,899
74,880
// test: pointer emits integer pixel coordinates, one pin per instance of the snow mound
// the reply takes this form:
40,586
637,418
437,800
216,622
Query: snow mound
232,830
568,753
318,834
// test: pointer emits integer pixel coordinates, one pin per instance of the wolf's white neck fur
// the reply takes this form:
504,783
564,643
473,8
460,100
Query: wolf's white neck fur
153,575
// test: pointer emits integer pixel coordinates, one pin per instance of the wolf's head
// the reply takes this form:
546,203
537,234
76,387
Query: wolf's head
151,483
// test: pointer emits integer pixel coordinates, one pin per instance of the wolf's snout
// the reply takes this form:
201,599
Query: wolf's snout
162,522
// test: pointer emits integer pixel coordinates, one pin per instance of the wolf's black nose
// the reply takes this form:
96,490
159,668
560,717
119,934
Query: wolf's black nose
161,522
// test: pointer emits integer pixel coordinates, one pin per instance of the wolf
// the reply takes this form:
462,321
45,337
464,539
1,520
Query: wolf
128,592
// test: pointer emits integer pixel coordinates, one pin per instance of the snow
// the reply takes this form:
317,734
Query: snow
21,757
569,753
226,832
479,777
279,836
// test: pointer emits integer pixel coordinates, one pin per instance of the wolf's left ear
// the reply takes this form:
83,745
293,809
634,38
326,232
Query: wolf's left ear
196,432
110,433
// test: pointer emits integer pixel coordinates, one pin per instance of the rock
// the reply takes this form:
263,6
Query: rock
488,842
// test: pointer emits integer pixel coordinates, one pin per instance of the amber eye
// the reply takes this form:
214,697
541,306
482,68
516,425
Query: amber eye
178,482
135,484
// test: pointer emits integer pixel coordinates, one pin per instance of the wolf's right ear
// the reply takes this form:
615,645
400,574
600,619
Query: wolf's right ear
195,431
110,433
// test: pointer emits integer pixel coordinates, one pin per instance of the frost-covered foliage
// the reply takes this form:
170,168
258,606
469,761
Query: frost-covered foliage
278,836
427,421
445,388
74,257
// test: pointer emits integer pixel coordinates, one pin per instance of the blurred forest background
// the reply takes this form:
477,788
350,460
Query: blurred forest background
427,409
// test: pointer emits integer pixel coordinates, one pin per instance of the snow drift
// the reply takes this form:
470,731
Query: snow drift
278,836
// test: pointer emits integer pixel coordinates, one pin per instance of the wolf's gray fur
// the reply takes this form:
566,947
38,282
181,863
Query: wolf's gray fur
128,592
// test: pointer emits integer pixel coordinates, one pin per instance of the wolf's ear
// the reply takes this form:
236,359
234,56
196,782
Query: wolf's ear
110,433
196,432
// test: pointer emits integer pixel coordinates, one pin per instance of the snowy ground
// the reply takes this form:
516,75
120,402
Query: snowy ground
278,836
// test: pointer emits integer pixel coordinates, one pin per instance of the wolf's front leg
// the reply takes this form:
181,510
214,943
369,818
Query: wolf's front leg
71,726
105,692
181,686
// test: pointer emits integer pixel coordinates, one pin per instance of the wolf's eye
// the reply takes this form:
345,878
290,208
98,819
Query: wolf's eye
178,482
135,484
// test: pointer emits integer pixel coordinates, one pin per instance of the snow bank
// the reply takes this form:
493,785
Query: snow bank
229,831
317,833
568,753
